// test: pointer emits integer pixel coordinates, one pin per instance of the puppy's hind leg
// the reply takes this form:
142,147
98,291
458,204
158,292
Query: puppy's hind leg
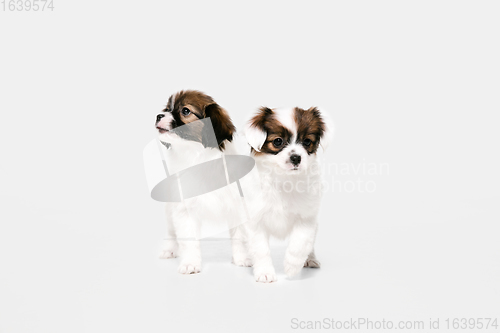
189,246
312,261
170,246
241,257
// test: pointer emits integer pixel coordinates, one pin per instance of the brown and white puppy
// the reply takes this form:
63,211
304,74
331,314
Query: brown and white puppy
189,106
189,143
284,143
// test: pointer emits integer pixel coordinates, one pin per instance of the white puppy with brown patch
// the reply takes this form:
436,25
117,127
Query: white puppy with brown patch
284,143
188,144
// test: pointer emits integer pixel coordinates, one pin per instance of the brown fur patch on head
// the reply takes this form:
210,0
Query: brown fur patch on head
310,128
200,106
265,120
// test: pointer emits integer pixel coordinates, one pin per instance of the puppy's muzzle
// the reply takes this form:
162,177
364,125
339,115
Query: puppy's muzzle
162,123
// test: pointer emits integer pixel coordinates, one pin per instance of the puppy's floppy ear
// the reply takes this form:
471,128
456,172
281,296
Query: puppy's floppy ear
221,122
328,128
255,136
254,128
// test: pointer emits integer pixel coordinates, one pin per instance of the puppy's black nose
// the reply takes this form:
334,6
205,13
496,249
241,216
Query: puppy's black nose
295,159
158,117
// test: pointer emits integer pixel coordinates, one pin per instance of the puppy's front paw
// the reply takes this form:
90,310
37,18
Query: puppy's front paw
313,263
266,278
292,268
265,274
242,261
168,253
189,267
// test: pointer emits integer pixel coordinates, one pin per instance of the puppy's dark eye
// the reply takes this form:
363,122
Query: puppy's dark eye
278,142
307,142
186,111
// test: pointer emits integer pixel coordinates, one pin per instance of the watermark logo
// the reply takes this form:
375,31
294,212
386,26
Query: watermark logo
359,177
185,163
363,323
329,177
27,5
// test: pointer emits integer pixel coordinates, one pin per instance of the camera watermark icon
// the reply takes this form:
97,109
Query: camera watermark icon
185,167
185,163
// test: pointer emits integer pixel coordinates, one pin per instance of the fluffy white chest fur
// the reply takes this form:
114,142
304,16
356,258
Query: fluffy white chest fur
285,199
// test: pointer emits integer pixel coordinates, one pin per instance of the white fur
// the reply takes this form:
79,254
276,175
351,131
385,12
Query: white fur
255,137
283,115
288,205
186,219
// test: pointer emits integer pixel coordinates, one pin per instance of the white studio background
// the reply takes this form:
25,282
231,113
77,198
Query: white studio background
412,86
